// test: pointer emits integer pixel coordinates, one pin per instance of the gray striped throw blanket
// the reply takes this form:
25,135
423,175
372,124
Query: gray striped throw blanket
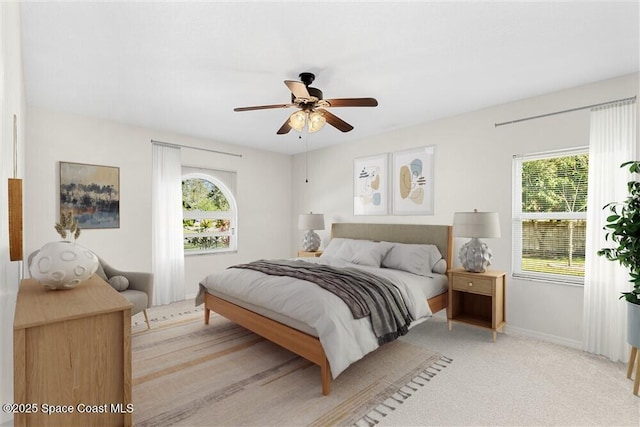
364,293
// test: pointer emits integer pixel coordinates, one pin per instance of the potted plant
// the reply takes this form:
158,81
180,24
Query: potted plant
623,230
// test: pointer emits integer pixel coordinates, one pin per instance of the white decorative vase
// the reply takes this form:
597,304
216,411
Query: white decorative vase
311,241
475,256
63,265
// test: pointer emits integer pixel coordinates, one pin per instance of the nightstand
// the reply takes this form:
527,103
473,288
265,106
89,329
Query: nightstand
306,254
477,299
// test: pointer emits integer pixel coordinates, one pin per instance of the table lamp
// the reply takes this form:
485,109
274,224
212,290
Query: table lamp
475,255
310,222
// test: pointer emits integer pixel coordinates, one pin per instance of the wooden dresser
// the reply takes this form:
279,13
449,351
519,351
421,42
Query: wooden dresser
72,356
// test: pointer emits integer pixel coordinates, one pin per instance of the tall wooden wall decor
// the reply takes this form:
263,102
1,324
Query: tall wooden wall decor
15,203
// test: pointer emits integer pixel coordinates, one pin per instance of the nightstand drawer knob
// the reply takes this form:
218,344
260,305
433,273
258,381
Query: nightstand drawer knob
470,284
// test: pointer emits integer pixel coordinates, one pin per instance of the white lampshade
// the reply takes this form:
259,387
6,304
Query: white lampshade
297,120
476,224
311,221
316,121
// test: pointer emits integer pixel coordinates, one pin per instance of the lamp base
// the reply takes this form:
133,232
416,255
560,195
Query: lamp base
311,241
475,256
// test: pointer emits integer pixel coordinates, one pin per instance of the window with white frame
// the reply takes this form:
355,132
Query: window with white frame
209,211
549,215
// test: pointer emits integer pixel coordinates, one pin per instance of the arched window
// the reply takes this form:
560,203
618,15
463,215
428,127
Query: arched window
209,215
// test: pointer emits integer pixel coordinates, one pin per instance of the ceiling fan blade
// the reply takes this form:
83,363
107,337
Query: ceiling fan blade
336,121
263,107
285,128
298,89
352,102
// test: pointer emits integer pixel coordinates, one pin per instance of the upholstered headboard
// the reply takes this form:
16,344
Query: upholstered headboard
439,235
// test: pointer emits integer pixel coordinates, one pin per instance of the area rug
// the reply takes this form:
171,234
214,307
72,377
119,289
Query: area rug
186,373
168,314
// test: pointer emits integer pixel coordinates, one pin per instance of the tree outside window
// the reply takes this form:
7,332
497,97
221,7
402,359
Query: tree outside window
550,205
209,215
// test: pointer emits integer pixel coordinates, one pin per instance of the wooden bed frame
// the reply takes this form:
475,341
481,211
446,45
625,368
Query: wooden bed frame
307,345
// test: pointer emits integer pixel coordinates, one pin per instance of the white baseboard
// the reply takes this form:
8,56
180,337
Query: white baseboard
514,330
544,337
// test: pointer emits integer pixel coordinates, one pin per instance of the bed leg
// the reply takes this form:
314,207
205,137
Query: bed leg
206,315
325,374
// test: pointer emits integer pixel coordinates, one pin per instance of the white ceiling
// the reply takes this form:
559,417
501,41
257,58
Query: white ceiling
183,67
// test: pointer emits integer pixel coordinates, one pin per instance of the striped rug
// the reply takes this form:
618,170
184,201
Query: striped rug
186,373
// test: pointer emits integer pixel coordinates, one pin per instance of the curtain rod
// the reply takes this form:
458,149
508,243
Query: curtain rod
633,98
153,141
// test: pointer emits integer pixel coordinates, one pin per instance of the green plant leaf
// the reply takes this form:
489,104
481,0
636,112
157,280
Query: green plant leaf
623,229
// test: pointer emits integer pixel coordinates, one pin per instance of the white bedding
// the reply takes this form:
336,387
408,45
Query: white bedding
344,339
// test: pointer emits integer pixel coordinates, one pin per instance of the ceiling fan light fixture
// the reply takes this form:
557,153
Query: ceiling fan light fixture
316,121
297,120
313,107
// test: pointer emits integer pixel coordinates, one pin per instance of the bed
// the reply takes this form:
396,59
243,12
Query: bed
223,293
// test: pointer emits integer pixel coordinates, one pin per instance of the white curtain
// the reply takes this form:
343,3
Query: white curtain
612,141
167,239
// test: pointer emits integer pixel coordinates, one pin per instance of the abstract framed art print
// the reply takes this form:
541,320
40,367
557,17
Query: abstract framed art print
413,181
370,185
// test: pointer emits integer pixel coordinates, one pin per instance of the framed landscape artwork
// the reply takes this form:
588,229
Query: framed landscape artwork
92,193
413,181
370,185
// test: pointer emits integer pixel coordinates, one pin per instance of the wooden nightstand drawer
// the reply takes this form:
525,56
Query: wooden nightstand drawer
477,285
305,254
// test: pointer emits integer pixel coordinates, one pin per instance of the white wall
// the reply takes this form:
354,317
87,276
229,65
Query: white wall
472,171
12,101
263,186
264,207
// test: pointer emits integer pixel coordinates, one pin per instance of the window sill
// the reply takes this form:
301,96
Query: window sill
549,280
221,251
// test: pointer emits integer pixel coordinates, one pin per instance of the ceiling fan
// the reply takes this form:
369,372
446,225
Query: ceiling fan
312,107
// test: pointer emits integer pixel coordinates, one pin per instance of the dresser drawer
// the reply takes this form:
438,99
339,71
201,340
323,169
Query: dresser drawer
477,285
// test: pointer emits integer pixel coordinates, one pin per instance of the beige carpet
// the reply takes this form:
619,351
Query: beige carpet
190,374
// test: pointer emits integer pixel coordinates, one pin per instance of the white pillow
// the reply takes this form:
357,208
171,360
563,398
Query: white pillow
440,267
369,253
435,257
119,283
414,258
346,250
333,247
362,252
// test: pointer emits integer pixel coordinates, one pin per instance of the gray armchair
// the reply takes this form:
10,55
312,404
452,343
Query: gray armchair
140,290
